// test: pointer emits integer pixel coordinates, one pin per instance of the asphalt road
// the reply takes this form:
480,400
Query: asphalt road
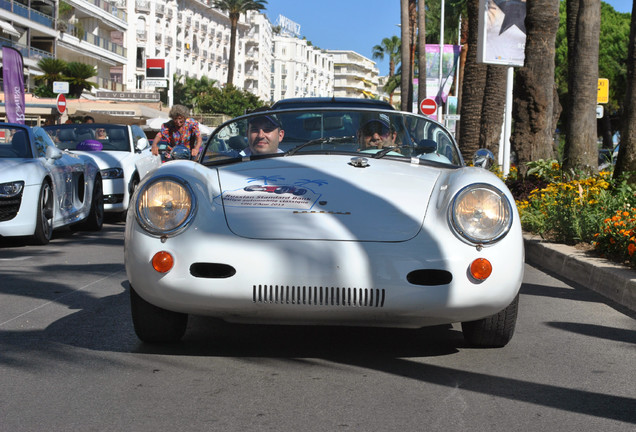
70,361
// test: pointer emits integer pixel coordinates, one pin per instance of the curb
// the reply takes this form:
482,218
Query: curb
614,281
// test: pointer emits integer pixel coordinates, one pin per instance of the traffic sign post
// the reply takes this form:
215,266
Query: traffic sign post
61,103
428,106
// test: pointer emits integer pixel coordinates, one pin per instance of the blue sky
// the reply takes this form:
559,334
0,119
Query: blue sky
356,25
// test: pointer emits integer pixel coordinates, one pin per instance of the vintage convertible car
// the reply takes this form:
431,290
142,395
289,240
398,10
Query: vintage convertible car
43,187
392,230
122,153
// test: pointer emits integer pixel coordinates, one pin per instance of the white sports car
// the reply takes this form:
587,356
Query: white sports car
122,153
357,217
43,187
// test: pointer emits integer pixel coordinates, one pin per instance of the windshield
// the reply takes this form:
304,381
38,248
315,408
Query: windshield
14,143
90,137
365,132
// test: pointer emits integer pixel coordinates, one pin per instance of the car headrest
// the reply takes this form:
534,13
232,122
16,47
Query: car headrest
66,134
117,134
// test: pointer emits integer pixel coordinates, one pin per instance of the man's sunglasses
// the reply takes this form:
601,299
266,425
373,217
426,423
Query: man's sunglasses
266,128
376,128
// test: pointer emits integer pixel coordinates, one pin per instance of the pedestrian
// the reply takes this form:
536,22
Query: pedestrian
180,130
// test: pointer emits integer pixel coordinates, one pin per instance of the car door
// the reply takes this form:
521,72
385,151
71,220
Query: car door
145,160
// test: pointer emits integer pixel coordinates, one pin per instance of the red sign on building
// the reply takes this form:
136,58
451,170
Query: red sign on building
156,68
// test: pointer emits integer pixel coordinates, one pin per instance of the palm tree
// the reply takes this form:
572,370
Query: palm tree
626,161
78,75
583,29
53,70
389,47
405,56
235,8
421,57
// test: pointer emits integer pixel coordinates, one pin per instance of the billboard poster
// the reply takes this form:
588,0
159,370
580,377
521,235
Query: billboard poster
13,83
502,32
434,90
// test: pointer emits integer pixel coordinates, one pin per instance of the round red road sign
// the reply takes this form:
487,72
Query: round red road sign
428,106
61,103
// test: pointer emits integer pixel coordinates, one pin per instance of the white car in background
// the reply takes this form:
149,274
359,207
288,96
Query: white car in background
121,151
43,188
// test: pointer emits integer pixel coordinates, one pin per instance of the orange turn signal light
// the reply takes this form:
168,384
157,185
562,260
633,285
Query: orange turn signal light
480,269
162,262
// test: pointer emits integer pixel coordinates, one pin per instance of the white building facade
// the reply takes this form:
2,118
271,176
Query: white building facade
355,75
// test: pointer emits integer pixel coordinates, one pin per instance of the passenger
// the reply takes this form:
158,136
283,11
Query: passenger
89,119
180,130
264,133
376,134
100,134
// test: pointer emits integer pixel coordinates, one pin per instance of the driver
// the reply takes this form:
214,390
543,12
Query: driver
376,134
264,133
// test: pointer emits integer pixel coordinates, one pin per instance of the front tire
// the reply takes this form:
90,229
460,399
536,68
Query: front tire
44,223
154,324
494,331
95,219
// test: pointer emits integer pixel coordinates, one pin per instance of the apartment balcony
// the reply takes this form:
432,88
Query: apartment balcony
160,9
169,13
28,53
169,41
29,13
158,37
141,35
142,5
83,36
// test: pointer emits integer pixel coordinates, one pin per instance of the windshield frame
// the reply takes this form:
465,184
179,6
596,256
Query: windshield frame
218,150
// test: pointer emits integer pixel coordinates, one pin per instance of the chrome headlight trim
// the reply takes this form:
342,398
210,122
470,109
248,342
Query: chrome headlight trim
477,203
152,224
11,189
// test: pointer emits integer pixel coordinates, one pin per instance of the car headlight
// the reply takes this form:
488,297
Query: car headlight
481,214
165,206
11,189
112,173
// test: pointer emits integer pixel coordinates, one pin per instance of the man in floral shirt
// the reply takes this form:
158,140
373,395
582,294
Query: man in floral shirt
180,130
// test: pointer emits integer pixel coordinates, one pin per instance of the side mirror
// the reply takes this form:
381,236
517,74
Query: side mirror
142,143
426,146
53,153
483,158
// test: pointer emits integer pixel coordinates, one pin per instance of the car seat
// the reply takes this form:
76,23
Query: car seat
20,144
118,139
66,138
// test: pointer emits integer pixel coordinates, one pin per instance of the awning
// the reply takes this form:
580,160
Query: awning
7,28
117,113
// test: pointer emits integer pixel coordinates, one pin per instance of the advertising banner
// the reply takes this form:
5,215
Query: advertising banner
13,79
502,32
434,89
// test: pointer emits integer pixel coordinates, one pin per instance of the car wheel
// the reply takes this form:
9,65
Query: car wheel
154,324
494,331
44,223
95,219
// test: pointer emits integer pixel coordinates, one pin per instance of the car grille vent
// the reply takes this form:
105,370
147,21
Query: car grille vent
319,296
9,207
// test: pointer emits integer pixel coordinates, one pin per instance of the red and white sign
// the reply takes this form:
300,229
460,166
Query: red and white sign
156,68
428,106
61,103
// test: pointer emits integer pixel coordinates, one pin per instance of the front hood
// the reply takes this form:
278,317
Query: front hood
105,159
326,198
27,170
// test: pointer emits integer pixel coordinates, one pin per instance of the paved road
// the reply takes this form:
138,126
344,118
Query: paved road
70,361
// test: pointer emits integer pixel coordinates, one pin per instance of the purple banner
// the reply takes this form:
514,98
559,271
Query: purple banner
13,79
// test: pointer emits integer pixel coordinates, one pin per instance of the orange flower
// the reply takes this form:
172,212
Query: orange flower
631,249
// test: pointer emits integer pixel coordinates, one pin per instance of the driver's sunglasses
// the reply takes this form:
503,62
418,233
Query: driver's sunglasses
376,128
266,129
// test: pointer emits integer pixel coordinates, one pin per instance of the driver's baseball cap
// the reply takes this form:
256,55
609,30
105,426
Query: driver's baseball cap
263,121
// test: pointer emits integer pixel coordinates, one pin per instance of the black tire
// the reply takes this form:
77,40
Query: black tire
44,223
154,324
95,219
494,331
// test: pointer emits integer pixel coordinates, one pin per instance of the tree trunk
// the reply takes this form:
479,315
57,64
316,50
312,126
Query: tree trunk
232,59
493,108
534,87
626,161
421,38
581,150
462,64
406,52
473,85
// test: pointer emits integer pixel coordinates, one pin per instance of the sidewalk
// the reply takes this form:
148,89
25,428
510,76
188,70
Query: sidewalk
611,280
